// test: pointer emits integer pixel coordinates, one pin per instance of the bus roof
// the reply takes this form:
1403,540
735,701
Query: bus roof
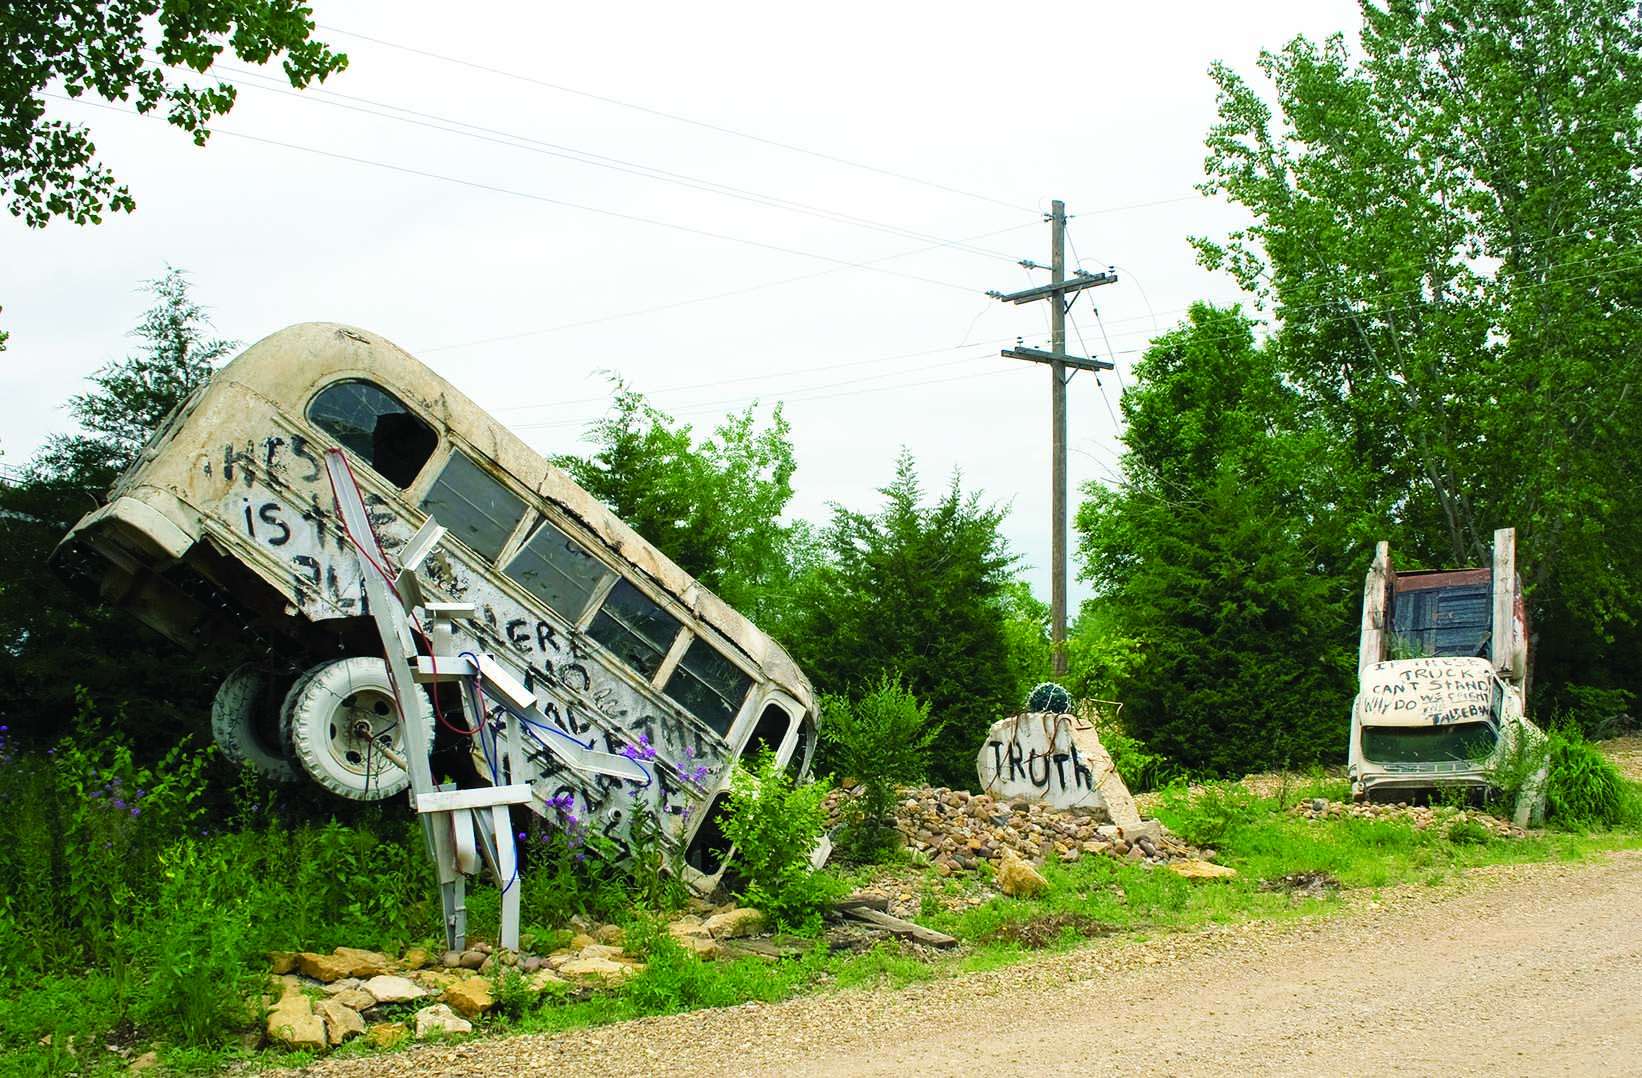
290,365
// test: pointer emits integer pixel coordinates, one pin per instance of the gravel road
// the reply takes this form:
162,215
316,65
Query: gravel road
1511,969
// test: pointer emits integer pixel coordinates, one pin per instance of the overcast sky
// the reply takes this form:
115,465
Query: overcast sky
540,269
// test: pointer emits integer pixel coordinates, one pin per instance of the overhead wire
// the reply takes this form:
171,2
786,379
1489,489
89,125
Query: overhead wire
679,118
549,200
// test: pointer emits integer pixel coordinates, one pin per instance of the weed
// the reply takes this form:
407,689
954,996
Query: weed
1468,832
1208,816
775,824
882,740
1583,788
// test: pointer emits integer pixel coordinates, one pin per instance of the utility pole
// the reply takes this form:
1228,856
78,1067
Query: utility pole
1061,291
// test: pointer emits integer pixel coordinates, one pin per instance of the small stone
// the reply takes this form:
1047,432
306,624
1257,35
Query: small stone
472,997
531,964
439,1020
507,958
342,986
388,988
415,958
541,978
472,959
145,1062
608,934
324,967
282,961
386,1034
451,959
602,968
601,950
733,924
703,947
340,1022
580,940
482,947
1018,878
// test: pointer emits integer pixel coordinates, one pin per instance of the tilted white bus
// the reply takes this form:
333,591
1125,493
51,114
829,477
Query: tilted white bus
224,532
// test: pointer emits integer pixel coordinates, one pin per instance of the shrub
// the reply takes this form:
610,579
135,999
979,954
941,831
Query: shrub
1209,815
882,740
775,825
1583,788
1468,833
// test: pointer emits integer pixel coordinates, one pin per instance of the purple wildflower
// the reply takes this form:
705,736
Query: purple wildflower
118,803
136,811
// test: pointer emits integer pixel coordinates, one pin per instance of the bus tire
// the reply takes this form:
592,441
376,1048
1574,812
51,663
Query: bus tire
241,726
339,713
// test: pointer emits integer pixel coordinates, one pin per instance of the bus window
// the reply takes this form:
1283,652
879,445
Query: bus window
636,629
379,429
709,686
557,570
477,509
769,733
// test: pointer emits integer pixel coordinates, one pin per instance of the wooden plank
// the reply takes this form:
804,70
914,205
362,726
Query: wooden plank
863,900
902,929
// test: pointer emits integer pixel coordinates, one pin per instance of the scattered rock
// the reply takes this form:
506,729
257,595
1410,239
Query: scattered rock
580,940
415,958
1017,877
145,1062
282,961
342,986
324,967
387,988
1201,870
365,963
438,1021
541,978
688,926
293,1023
703,947
1303,884
340,1022
609,934
601,968
472,959
733,924
386,1034
472,997
600,950
451,959
357,998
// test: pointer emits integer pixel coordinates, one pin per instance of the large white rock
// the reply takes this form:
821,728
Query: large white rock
1057,760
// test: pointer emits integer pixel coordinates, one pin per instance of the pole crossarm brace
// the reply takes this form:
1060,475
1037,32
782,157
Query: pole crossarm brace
1076,283
1038,355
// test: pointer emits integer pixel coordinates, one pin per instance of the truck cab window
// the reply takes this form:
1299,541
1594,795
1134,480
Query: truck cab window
377,427
475,507
558,570
636,629
709,686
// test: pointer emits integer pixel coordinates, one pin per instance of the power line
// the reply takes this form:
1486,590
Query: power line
761,377
679,118
564,203
528,143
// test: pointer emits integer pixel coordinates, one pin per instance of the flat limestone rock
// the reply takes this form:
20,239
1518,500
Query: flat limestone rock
293,1023
324,967
733,924
602,968
472,997
356,998
365,963
1201,870
387,988
439,1020
340,1022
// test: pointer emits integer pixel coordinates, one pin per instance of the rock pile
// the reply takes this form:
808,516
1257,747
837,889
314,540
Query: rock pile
1420,817
957,830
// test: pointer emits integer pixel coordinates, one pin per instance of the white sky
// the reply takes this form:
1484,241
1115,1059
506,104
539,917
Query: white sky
1102,105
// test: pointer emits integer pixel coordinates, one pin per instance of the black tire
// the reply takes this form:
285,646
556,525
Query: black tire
244,728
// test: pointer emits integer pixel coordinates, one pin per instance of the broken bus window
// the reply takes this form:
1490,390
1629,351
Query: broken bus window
377,427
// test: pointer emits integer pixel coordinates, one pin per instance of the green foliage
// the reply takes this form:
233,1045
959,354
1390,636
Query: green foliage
882,740
1468,832
1138,767
1211,620
1583,788
917,591
52,638
775,825
120,50
1209,814
712,506
1445,225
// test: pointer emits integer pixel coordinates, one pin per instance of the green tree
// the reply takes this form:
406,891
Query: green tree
1447,231
917,591
119,50
712,506
882,740
1227,638
54,638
